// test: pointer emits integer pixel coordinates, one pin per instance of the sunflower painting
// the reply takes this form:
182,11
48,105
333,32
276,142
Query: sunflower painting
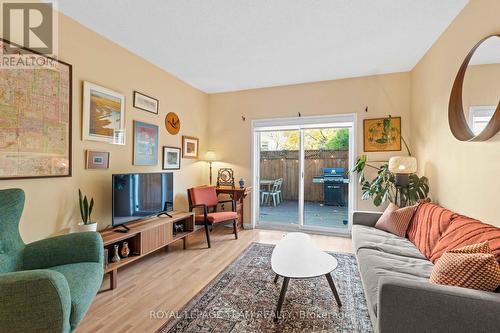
382,134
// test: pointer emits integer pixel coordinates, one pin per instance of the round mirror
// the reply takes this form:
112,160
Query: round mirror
475,96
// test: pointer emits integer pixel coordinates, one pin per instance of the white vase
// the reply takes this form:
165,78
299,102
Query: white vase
81,227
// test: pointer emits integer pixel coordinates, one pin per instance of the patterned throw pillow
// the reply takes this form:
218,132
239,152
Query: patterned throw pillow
473,266
396,220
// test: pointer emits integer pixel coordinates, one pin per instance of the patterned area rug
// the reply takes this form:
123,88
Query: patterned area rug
244,296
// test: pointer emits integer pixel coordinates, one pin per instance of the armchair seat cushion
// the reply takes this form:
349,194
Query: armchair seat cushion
216,217
84,280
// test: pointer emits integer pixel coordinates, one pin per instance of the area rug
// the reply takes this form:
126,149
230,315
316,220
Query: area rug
244,296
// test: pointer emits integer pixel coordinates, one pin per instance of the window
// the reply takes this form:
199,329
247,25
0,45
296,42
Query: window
479,117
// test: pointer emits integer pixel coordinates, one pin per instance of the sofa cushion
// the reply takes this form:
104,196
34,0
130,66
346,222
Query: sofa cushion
429,223
467,231
364,237
396,220
374,264
84,280
471,266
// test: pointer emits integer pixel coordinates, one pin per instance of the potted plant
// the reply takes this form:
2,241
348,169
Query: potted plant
382,188
85,212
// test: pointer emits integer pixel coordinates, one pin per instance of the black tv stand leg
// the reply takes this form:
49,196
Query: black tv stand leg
127,229
164,213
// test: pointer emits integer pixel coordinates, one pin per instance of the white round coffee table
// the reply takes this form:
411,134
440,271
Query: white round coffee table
295,257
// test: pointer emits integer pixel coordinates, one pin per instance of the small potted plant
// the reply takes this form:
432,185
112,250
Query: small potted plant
85,212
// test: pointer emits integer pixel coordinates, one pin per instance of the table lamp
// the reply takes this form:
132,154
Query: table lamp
402,167
210,157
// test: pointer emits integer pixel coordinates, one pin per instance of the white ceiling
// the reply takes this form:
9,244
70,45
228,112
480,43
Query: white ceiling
226,45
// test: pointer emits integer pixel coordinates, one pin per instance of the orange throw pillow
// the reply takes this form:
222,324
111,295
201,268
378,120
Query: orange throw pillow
396,220
473,266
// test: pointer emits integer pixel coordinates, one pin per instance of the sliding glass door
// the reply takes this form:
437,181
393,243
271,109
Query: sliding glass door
326,184
301,171
278,177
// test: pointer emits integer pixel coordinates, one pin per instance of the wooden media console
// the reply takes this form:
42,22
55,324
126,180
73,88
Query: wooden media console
144,238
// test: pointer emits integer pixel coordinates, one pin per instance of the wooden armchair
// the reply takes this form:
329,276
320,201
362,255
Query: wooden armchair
205,197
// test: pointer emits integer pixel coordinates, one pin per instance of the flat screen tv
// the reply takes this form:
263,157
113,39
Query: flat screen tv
138,196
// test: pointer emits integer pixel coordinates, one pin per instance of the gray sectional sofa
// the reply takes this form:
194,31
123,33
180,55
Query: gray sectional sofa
400,298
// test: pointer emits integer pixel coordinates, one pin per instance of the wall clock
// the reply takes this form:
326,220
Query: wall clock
172,123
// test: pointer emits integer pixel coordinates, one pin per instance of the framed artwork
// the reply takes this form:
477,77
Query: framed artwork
145,143
189,147
103,114
382,134
97,160
35,115
171,158
172,123
145,102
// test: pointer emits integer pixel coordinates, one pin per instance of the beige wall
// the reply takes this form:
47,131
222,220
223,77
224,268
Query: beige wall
463,175
231,137
51,204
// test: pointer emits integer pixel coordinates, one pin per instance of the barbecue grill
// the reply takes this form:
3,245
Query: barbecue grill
334,186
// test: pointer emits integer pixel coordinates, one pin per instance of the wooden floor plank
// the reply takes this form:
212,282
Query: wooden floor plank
167,280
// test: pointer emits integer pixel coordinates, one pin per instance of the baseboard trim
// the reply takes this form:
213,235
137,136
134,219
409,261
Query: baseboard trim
307,230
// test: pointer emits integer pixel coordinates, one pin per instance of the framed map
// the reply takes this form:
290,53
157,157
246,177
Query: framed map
382,134
35,114
103,114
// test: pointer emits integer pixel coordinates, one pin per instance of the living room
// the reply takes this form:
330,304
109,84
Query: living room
263,166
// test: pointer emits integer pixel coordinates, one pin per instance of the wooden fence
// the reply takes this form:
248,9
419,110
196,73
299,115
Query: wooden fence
285,164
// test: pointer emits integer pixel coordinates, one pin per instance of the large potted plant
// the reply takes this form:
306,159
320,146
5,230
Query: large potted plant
383,188
86,207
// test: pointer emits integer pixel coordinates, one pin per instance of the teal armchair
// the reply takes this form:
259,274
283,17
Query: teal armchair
45,286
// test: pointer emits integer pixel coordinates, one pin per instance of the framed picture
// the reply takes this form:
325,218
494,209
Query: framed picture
145,143
382,134
103,114
145,102
189,147
35,115
97,160
171,158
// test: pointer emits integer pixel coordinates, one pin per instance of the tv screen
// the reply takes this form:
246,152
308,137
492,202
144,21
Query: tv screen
140,195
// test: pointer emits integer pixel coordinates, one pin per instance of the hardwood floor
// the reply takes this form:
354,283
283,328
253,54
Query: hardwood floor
167,280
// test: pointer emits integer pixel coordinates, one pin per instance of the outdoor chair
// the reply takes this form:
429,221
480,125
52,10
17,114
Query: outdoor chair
273,195
280,192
